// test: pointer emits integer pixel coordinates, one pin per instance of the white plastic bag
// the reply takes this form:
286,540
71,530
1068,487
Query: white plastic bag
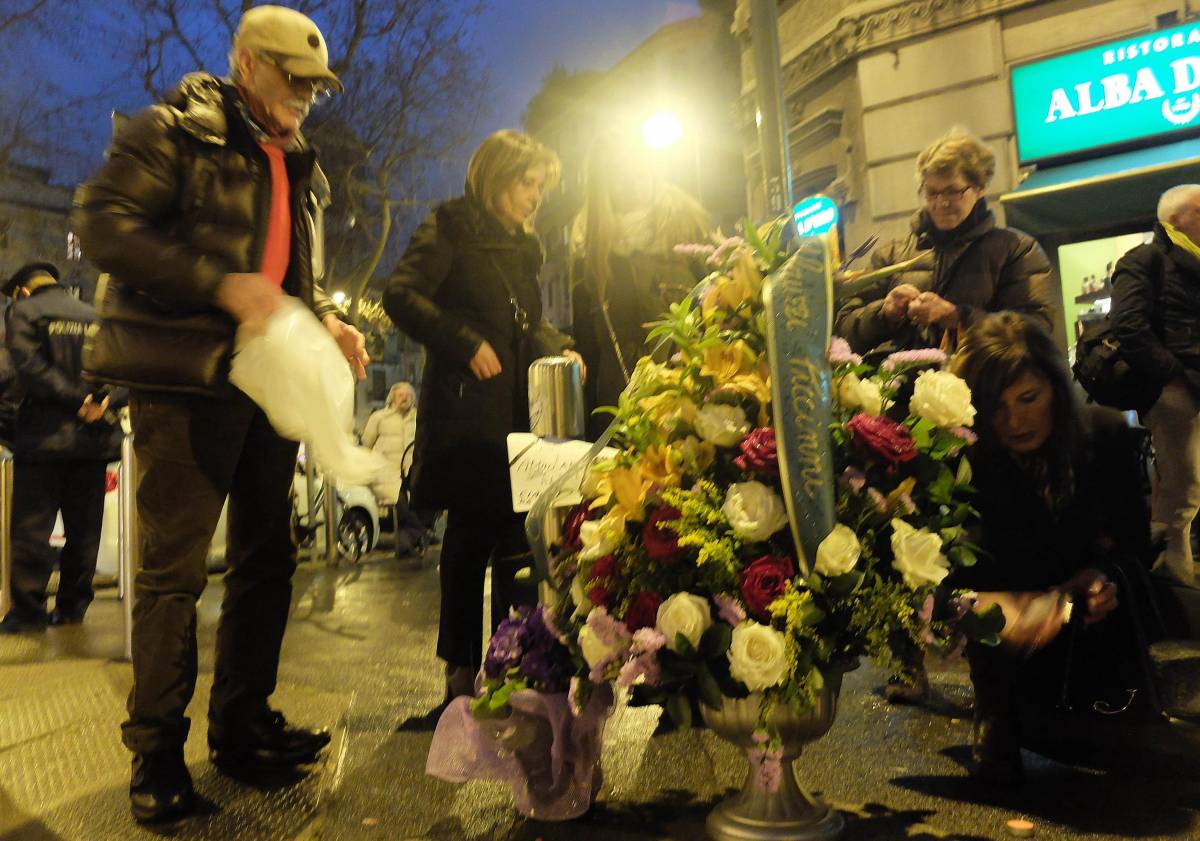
293,369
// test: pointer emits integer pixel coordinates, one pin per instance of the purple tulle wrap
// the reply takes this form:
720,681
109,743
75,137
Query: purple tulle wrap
549,757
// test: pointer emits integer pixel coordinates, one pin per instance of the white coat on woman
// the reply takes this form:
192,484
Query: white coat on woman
390,431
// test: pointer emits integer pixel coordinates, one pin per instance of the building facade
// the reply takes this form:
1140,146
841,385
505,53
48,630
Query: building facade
35,227
868,84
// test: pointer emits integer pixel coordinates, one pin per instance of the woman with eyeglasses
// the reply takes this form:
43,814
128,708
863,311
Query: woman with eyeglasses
466,288
966,264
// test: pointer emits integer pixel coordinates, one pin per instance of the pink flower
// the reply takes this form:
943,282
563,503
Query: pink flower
767,763
840,353
729,608
854,478
923,356
643,662
965,434
878,500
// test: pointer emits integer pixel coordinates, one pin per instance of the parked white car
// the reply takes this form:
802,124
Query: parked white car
358,524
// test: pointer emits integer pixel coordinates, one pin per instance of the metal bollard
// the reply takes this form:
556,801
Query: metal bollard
555,398
331,547
310,498
127,537
6,490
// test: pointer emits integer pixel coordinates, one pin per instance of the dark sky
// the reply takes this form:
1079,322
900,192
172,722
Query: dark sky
520,41
525,38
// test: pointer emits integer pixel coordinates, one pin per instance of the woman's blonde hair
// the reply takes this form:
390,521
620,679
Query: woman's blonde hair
958,153
675,217
500,160
396,388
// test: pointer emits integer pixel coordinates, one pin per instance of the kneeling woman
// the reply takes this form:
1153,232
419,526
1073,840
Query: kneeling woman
1061,504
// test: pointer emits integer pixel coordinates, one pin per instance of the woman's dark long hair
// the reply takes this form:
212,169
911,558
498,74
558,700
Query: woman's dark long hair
993,355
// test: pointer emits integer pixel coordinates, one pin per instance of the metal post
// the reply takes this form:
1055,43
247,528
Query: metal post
772,113
6,489
310,498
331,547
127,536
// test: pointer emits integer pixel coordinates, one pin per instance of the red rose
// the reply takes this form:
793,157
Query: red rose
643,612
110,481
600,597
758,452
604,568
575,520
883,438
763,582
661,544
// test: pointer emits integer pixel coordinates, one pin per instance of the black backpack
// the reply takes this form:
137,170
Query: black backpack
1104,375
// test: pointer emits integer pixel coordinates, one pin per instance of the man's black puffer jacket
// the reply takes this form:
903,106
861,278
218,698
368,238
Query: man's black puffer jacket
1156,312
184,199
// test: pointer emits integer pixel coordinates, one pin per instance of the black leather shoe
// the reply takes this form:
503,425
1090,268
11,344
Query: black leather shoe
161,787
20,623
265,740
66,617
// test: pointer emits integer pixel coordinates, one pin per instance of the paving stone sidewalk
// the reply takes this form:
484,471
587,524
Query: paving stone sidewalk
359,656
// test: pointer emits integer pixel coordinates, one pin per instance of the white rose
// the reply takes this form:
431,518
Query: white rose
758,656
838,552
755,511
918,555
855,394
595,650
943,399
722,425
683,613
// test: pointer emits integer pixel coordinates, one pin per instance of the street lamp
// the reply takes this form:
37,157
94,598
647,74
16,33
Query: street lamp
339,298
661,130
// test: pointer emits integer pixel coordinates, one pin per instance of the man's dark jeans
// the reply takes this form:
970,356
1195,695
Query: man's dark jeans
40,490
193,451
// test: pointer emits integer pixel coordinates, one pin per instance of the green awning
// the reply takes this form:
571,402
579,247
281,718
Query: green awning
1103,192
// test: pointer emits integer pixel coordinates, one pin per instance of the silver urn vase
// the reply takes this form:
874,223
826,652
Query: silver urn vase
789,814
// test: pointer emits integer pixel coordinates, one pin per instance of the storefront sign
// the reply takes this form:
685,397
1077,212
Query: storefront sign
1129,90
815,215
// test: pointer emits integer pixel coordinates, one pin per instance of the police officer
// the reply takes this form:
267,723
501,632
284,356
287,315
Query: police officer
66,433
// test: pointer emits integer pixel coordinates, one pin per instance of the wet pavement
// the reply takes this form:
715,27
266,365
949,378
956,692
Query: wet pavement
359,657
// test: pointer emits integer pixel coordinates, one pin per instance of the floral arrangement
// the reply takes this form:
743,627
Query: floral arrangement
677,577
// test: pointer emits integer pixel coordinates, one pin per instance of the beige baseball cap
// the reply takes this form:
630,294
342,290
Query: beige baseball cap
290,37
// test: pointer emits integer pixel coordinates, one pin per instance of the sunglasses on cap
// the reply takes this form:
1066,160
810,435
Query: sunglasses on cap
320,89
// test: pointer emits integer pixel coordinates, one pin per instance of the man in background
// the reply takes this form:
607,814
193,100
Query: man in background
65,435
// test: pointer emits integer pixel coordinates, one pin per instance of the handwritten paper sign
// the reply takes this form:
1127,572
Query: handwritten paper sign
534,464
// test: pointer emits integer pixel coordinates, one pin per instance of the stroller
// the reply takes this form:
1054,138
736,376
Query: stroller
414,532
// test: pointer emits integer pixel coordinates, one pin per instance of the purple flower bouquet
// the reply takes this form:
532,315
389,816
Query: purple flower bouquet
521,729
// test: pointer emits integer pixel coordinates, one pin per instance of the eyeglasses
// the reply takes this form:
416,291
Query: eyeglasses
319,89
949,194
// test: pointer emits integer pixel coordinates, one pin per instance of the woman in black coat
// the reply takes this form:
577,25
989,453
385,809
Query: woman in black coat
966,267
1061,504
467,289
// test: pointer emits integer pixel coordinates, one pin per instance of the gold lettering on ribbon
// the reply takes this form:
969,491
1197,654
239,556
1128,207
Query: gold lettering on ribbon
805,393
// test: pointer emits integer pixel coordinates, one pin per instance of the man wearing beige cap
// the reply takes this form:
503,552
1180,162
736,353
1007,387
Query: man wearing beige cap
205,215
